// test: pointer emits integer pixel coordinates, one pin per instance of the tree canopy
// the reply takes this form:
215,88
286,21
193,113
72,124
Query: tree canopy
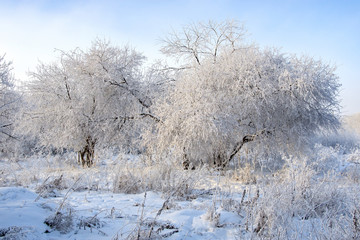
245,94
86,99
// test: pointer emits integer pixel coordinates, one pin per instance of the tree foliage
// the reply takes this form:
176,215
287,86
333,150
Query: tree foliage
87,99
235,94
8,100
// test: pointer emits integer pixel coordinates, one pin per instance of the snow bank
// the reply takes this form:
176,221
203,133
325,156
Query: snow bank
21,217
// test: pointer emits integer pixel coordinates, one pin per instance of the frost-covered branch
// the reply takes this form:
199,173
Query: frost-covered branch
196,42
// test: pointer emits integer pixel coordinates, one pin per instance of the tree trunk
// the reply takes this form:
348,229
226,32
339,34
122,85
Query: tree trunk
187,163
219,160
86,155
238,146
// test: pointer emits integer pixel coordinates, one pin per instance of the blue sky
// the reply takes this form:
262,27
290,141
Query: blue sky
327,30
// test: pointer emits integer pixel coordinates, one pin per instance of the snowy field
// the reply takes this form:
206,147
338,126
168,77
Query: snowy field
97,215
87,207
53,198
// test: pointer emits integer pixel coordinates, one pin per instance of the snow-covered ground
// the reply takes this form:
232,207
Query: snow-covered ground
53,198
83,205
94,215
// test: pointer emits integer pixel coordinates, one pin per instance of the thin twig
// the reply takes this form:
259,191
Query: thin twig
141,217
67,194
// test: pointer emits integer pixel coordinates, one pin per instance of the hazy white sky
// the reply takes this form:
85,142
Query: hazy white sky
30,30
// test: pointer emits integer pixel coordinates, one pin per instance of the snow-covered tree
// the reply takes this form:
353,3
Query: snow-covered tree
87,99
244,95
8,99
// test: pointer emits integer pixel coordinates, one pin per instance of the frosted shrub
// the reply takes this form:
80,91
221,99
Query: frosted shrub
213,216
300,205
352,171
139,177
14,233
245,174
325,159
48,187
344,140
127,180
60,222
354,157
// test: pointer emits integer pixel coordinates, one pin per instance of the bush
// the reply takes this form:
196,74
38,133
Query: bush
301,204
137,177
60,222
